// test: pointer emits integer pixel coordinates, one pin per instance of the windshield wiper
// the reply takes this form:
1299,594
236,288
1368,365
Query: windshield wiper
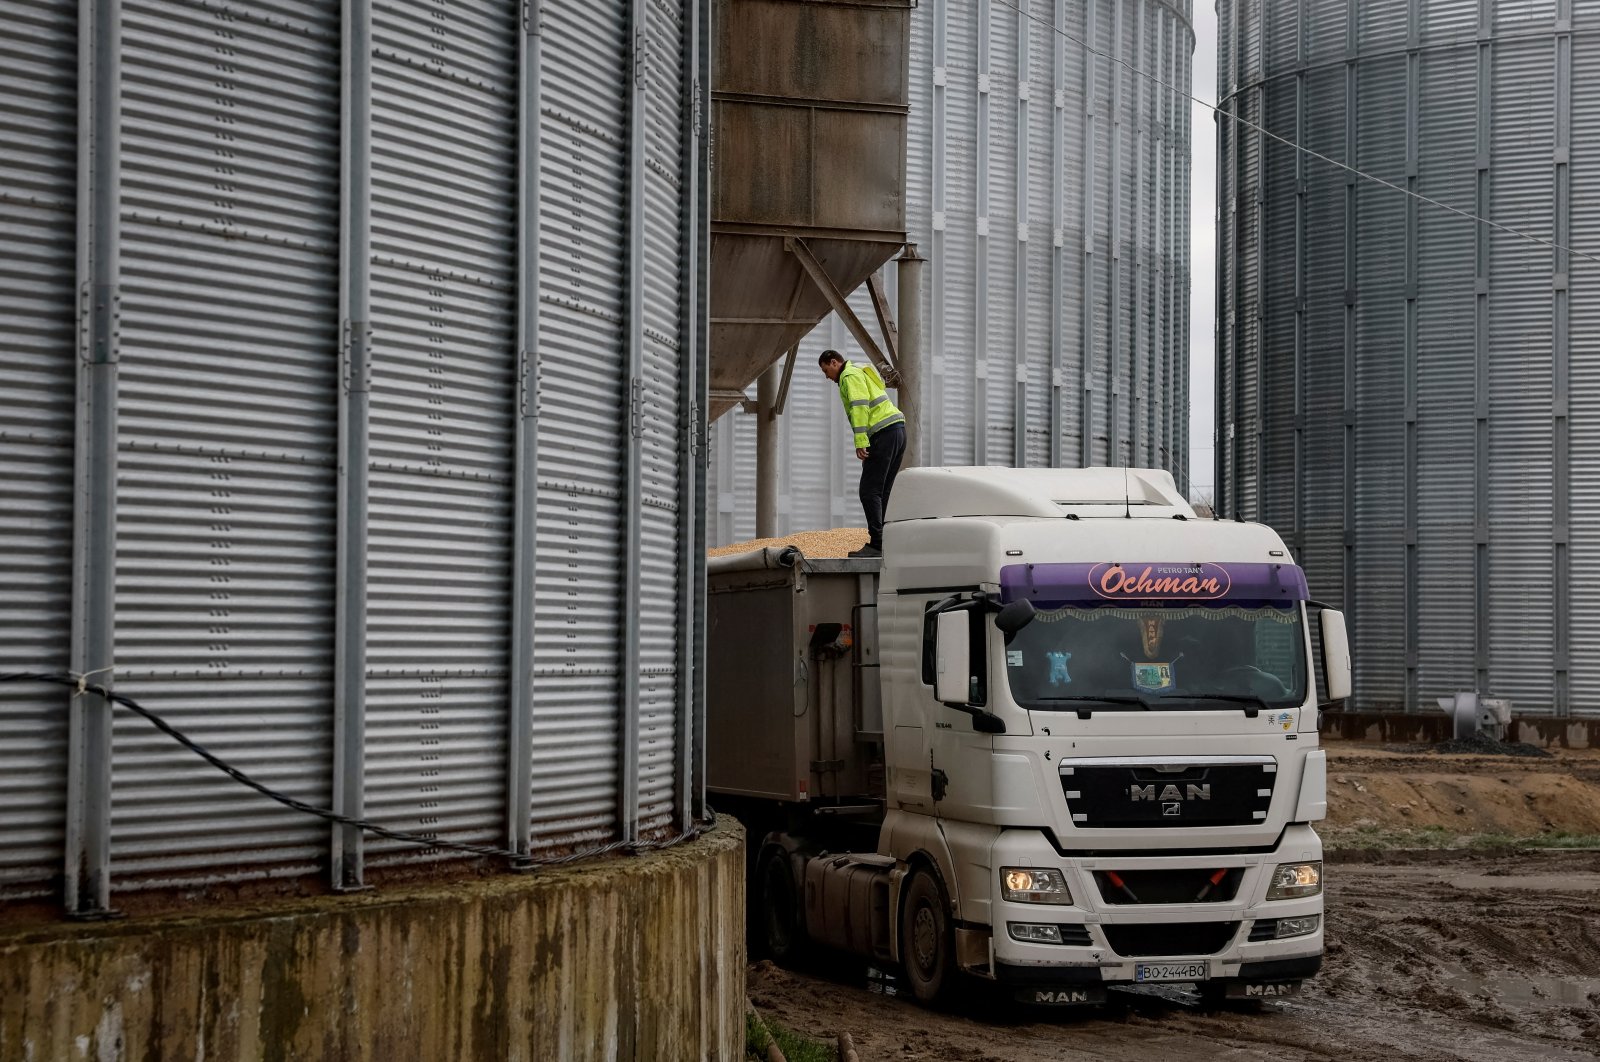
1256,704
1085,713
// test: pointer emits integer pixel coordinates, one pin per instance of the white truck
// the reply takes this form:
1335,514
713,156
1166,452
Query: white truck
1062,736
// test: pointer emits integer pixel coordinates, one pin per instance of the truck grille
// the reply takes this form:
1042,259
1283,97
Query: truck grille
1179,792
1126,887
1172,938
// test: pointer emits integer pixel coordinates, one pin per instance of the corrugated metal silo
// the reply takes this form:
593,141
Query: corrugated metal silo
362,344
1408,395
1048,188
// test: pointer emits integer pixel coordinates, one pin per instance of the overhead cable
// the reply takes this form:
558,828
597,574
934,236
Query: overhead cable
1246,123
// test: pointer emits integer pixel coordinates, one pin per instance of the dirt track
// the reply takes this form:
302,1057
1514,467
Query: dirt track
1456,957
1433,954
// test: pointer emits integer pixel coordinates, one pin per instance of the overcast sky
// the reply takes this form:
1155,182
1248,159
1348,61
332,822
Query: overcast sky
1202,254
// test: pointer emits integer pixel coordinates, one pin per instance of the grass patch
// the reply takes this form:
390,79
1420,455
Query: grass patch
1440,837
795,1048
1554,839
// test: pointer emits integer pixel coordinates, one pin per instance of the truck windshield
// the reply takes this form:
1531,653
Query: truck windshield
1185,658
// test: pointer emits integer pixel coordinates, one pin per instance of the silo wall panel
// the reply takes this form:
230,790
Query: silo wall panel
537,378
1444,381
577,627
664,413
38,124
439,556
1585,390
1048,191
226,435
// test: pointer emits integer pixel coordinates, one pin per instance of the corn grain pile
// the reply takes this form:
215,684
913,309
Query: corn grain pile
835,543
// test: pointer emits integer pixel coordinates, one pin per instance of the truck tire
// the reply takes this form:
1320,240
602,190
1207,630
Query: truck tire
782,932
927,939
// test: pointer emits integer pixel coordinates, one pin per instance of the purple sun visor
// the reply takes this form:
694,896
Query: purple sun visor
1153,583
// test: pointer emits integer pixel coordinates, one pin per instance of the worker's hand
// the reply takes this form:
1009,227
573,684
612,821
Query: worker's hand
861,453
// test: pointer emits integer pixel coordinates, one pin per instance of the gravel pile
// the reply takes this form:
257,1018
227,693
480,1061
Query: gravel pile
816,544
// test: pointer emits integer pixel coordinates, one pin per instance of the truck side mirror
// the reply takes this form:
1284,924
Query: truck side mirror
1335,654
1015,616
953,657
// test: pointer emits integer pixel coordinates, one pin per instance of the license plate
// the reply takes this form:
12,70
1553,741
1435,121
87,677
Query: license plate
1150,972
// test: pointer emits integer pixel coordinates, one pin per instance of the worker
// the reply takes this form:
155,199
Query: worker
880,438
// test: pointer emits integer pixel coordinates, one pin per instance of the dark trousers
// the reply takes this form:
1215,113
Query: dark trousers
884,452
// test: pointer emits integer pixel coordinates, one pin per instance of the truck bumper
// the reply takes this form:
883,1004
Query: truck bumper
1111,939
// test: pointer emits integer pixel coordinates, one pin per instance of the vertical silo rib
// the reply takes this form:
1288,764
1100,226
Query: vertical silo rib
355,396
1019,418
1298,487
1229,349
1163,331
980,349
632,496
1480,456
88,824
1413,133
1114,295
519,790
1058,201
1225,345
691,576
1175,352
938,254
1139,249
1258,311
1087,291
1160,376
1561,357
1351,102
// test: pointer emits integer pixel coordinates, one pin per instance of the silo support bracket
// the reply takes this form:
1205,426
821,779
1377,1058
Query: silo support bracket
841,306
880,306
783,385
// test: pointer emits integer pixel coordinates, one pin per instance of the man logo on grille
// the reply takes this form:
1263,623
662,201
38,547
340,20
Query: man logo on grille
1170,793
1172,809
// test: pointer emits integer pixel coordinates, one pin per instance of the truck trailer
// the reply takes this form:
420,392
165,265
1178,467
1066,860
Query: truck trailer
1062,736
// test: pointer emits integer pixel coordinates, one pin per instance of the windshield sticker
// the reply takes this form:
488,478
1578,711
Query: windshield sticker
1152,676
1058,668
1013,658
1150,633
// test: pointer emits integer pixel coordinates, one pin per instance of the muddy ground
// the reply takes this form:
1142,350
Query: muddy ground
1451,952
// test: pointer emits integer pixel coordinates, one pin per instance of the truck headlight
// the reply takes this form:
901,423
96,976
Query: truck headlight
1294,880
1034,885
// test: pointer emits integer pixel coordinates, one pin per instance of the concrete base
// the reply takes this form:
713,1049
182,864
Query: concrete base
1400,728
626,958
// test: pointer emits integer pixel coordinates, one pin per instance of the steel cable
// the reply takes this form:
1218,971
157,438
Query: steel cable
79,686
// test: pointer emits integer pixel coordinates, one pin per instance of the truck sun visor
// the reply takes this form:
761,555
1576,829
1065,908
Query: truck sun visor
1152,582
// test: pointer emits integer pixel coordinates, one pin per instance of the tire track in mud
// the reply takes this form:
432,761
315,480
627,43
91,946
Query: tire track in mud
1462,957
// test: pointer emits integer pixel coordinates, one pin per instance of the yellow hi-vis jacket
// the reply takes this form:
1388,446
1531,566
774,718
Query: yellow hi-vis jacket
866,403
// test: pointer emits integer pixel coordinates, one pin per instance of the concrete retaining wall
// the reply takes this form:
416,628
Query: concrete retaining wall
628,958
1400,728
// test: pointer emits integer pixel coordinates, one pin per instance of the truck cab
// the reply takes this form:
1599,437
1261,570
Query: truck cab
1063,736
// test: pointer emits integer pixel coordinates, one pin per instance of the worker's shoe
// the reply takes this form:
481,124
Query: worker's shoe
869,550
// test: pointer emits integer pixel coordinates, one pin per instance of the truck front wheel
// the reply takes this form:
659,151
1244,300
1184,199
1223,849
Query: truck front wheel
927,943
783,934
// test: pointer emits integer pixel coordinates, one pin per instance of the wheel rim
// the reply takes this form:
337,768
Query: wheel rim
925,938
